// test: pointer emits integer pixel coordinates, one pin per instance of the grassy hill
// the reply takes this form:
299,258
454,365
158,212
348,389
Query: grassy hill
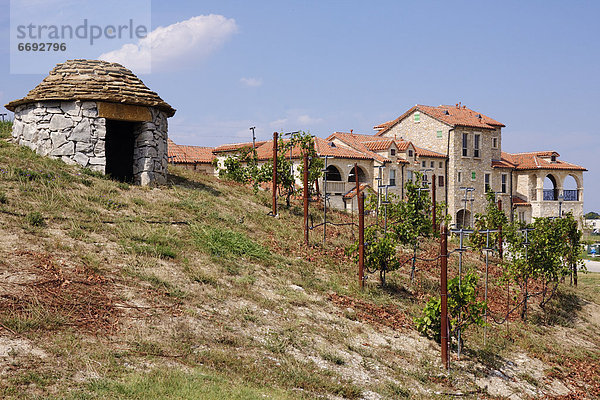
190,290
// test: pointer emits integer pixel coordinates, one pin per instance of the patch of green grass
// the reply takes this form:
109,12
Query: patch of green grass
157,242
225,243
3,198
175,384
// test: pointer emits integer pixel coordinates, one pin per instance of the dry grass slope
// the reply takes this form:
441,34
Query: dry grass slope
110,291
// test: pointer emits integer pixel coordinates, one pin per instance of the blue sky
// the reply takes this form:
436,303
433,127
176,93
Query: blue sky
339,65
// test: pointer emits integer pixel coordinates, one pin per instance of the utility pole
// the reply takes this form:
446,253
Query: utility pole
305,195
274,174
433,204
444,292
361,240
253,141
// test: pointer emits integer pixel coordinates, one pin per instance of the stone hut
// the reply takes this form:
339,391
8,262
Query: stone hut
98,115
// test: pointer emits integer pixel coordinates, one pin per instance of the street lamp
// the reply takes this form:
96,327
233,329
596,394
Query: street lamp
252,128
561,197
466,200
3,115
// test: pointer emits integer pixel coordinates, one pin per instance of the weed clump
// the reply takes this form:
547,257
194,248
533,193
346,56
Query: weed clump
35,218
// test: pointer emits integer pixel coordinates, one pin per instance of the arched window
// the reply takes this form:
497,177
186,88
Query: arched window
362,177
463,218
570,187
550,188
333,174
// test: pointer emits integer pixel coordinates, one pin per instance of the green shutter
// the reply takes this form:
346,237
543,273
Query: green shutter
417,116
439,134
473,175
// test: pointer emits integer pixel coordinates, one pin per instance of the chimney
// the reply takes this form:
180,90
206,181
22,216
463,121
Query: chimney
351,130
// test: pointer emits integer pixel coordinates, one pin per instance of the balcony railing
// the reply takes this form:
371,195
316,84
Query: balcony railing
568,195
550,195
571,195
337,187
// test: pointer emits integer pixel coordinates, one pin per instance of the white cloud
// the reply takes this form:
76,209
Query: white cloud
175,46
307,119
278,123
252,82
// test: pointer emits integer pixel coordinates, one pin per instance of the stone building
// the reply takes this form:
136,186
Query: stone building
529,184
195,158
98,115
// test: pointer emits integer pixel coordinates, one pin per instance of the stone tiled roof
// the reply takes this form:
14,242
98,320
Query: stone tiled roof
189,154
538,160
452,115
94,80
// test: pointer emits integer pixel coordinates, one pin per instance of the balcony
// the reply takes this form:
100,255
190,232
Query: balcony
571,195
339,186
568,195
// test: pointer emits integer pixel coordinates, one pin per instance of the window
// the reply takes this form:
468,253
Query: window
424,164
487,186
465,143
459,177
392,152
439,134
473,176
410,153
425,177
441,181
476,145
503,183
521,216
392,177
441,164
432,165
495,143
417,116
409,175
553,158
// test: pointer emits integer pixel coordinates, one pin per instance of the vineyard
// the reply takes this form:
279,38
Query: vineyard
195,290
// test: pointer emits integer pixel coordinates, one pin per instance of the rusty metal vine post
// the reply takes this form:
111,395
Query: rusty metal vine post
500,231
305,195
433,210
361,239
274,174
444,293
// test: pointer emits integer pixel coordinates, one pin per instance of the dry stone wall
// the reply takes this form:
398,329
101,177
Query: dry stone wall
70,131
73,132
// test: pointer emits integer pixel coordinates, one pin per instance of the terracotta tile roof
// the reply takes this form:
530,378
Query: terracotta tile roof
237,146
379,145
384,125
502,164
421,152
451,115
350,194
324,148
94,80
538,160
181,154
517,201
356,141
